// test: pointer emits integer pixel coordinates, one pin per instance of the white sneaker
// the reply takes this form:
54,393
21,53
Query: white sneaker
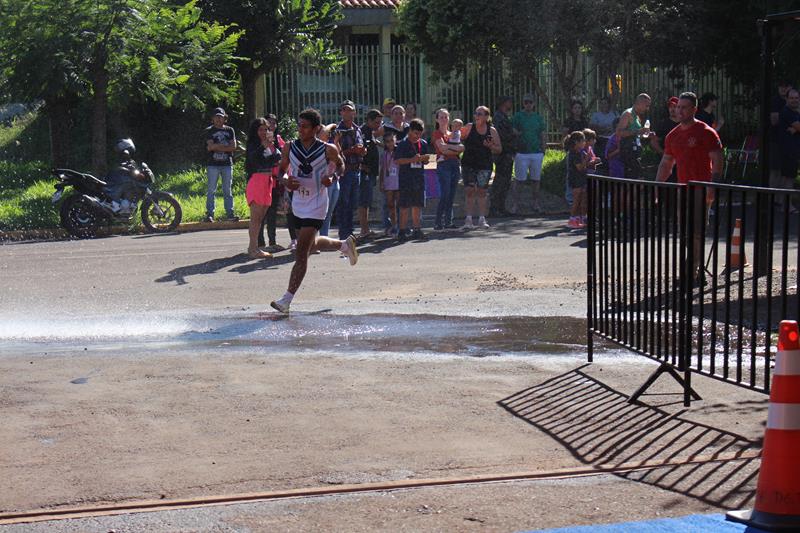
482,223
351,253
281,305
468,223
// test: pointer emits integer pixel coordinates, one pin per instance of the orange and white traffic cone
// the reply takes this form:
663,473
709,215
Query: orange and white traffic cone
738,258
777,505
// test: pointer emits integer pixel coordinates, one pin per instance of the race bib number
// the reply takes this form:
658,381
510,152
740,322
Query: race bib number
393,171
306,183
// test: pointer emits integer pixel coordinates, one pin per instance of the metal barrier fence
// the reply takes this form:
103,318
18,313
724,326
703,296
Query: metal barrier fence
668,278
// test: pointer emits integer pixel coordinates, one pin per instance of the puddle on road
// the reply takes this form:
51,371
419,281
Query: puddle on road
471,336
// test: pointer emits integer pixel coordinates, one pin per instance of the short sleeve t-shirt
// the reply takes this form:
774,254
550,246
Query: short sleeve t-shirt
435,138
224,135
690,148
604,122
399,133
406,150
530,125
350,137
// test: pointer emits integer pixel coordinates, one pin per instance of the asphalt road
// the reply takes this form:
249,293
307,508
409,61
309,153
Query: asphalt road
141,368
209,270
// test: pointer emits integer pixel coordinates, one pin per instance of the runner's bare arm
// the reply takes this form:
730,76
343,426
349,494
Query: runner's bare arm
665,167
284,164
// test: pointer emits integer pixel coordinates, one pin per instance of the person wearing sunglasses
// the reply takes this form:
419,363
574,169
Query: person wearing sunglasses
481,142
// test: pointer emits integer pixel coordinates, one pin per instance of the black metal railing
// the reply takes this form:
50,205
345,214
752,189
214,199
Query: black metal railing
664,281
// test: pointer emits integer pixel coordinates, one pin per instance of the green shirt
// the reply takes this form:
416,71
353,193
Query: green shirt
531,125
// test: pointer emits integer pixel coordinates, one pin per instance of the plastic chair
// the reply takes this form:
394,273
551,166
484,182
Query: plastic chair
746,155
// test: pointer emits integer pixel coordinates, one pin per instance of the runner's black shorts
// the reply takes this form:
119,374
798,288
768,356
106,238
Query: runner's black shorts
297,222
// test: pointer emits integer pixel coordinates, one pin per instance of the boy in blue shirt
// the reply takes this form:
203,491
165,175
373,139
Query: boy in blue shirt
411,155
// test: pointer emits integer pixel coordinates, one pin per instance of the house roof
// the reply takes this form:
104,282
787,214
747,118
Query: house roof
370,4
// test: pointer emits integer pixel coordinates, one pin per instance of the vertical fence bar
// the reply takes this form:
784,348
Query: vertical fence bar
661,285
591,277
727,300
756,269
740,285
687,253
712,363
768,324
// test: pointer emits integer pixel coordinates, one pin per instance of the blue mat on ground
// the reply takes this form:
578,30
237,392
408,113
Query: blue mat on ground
692,523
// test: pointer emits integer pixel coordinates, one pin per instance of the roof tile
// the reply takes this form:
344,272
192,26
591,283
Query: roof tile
369,4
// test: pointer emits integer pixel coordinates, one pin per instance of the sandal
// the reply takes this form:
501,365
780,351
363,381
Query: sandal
258,254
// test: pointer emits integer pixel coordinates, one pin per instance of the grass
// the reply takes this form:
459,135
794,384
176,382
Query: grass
26,188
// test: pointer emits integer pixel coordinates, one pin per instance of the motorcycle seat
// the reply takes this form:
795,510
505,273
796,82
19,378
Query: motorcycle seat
85,176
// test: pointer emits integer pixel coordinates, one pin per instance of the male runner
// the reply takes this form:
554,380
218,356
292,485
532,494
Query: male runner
312,165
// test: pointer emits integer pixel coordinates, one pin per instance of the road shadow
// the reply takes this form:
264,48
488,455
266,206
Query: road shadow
179,275
558,232
598,426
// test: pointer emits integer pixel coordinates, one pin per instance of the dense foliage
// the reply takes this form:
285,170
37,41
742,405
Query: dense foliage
110,53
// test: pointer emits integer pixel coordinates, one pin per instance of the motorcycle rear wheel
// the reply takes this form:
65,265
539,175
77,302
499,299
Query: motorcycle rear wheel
79,217
161,213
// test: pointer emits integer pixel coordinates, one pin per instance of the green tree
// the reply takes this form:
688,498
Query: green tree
277,34
526,33
109,52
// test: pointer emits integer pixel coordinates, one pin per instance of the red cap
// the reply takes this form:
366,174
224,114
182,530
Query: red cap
789,338
672,101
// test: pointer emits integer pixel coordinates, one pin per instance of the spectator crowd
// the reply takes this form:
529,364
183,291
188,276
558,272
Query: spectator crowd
492,155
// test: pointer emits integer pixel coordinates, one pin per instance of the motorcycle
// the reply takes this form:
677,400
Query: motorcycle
93,202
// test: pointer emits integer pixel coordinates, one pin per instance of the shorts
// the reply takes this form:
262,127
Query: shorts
297,222
525,164
412,190
473,177
259,189
365,186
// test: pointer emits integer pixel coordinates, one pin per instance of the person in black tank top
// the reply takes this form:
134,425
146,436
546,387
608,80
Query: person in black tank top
481,142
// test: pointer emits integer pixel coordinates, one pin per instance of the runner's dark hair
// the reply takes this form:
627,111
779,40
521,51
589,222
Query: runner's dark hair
311,115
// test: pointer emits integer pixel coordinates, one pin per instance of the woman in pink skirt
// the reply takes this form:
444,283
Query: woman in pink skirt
261,157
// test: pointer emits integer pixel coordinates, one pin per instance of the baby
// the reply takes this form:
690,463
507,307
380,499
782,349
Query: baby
455,136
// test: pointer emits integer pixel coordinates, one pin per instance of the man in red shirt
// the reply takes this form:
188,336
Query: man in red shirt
697,150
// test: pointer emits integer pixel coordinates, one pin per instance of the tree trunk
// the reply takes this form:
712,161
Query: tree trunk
99,116
249,80
57,112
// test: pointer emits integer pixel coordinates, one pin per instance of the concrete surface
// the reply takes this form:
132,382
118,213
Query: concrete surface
92,416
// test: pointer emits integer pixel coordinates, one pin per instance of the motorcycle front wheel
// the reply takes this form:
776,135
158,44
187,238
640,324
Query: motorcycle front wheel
79,217
161,212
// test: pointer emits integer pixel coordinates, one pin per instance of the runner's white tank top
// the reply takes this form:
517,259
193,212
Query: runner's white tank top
308,166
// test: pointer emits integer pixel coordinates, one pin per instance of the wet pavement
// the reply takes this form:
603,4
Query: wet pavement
304,333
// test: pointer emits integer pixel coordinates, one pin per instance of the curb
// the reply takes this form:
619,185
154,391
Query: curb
59,234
